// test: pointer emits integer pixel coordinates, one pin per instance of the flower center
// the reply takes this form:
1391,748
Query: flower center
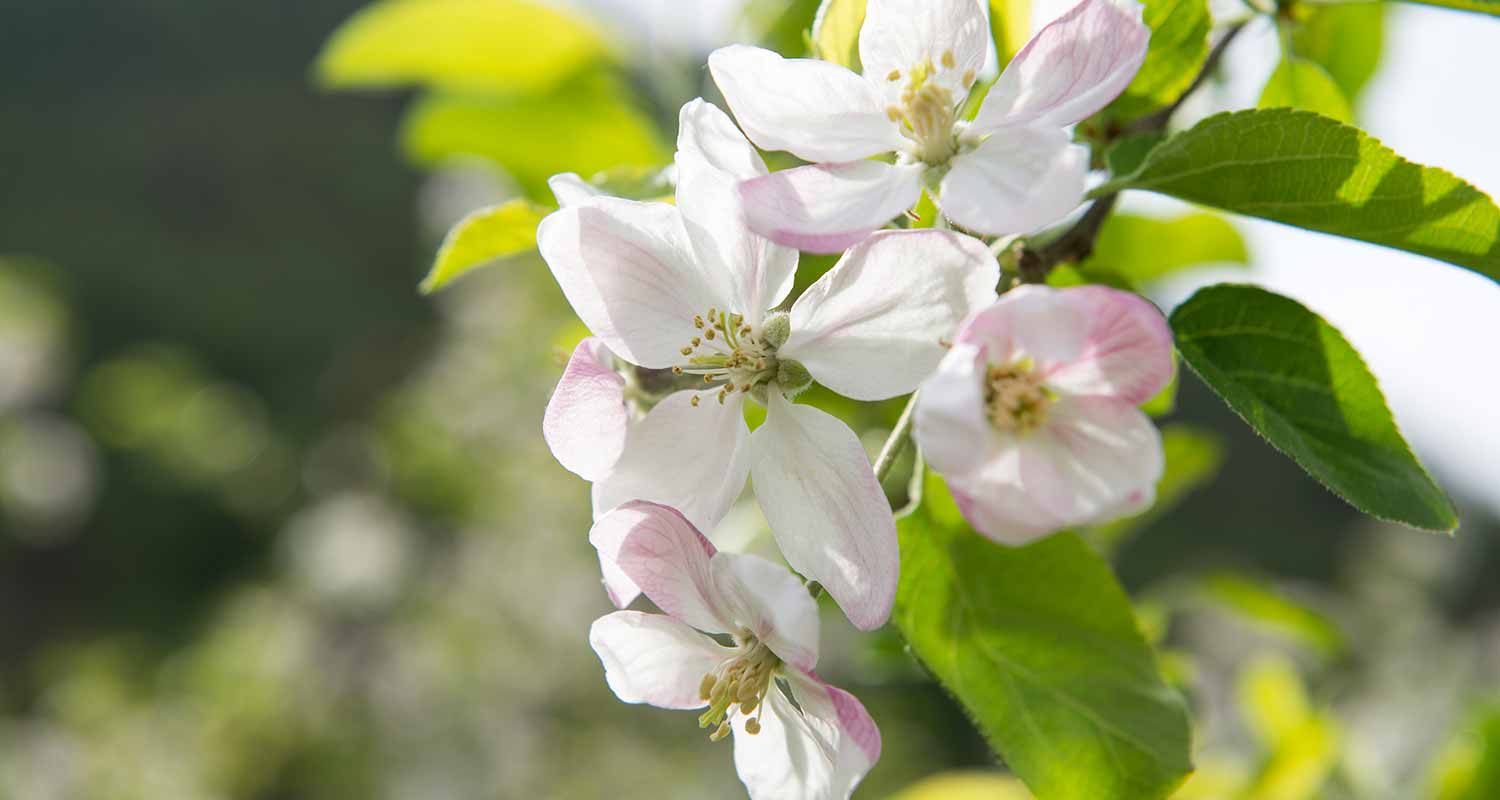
737,357
928,112
1015,398
740,681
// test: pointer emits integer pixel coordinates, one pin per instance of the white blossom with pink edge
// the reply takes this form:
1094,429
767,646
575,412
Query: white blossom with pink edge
1012,170
688,287
794,735
1033,418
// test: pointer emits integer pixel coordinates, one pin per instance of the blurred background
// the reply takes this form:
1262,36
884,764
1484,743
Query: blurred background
275,525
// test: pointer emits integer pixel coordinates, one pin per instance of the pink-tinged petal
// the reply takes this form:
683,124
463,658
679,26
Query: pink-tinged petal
630,273
770,602
1127,350
751,272
813,109
621,590
1094,459
663,554
820,752
1028,322
1072,68
873,326
703,129
694,459
897,35
951,422
826,509
827,208
652,658
586,418
570,190
1015,182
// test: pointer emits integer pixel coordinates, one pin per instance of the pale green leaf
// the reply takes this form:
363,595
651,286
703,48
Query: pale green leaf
1179,45
509,45
1143,249
1300,83
482,238
1468,768
1491,7
581,128
1346,39
1264,605
1316,173
1010,26
1041,647
835,31
1298,382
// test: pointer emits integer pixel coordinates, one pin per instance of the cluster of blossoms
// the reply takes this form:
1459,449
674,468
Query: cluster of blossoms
1026,402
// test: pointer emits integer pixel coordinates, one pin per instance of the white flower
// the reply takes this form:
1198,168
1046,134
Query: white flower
794,735
1012,170
688,287
1032,417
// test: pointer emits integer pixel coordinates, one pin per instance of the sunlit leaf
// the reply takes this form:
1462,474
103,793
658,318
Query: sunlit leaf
1303,745
1298,382
835,31
583,128
1143,249
1468,768
1010,26
1300,83
1313,172
1491,7
1346,39
509,45
1262,604
1041,647
484,237
965,786
1179,45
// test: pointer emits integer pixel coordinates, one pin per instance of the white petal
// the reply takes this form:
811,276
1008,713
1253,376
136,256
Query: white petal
952,425
1094,459
1016,181
813,109
900,34
873,326
570,190
1069,70
826,509
629,272
1029,322
826,208
769,601
663,554
621,590
693,459
586,418
652,658
1127,349
703,129
820,752
751,272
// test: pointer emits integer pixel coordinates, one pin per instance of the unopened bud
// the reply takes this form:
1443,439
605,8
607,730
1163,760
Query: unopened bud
776,329
792,377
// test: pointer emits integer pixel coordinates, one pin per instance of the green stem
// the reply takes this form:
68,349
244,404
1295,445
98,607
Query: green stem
896,441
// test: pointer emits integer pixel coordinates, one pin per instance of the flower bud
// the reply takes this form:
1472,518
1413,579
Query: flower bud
792,377
775,330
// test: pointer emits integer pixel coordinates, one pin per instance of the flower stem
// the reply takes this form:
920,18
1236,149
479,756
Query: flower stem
896,441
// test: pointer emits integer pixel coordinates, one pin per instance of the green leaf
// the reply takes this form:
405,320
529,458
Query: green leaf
1041,647
583,128
1298,382
511,45
1010,27
1179,45
1261,603
484,237
835,31
1128,152
1491,7
1143,249
1300,83
1346,39
1316,173
1468,768
1193,458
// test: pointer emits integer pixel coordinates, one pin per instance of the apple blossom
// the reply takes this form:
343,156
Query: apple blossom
794,735
1032,416
1012,170
689,288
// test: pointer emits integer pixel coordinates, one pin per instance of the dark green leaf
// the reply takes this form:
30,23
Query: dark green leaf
1041,647
1298,382
1129,151
1316,173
